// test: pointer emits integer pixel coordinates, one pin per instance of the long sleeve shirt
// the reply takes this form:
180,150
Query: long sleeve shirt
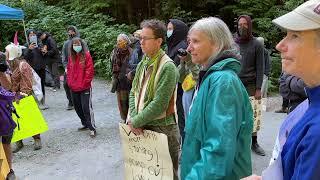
165,87
22,78
301,153
252,63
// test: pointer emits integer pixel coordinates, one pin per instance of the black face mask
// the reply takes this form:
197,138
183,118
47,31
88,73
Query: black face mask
72,35
243,32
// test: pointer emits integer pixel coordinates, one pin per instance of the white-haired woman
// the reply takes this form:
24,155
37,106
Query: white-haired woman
218,131
120,73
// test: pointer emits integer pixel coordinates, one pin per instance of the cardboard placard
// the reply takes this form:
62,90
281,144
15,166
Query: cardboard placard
146,156
31,121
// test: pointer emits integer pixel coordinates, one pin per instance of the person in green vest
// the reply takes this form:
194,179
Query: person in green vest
153,93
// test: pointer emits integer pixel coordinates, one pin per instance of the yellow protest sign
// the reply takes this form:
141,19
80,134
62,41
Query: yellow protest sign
31,121
146,156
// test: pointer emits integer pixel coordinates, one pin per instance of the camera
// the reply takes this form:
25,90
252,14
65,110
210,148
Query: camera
182,52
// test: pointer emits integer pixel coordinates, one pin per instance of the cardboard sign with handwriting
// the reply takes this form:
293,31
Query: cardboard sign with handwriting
146,157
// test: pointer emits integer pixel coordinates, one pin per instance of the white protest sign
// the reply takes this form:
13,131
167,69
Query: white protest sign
146,157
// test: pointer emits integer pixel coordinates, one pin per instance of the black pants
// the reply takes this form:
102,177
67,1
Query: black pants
180,112
42,74
285,103
53,69
67,90
83,106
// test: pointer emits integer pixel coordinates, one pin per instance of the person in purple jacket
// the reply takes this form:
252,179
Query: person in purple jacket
300,54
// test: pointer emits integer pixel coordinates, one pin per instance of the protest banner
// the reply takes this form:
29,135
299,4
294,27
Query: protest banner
30,121
146,156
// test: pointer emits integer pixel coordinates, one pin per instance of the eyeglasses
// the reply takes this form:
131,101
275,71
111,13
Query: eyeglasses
146,38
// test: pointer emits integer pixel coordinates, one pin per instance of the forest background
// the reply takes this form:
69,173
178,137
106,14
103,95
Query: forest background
100,21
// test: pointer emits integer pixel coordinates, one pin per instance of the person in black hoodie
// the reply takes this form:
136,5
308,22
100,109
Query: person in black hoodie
34,56
52,56
252,70
177,32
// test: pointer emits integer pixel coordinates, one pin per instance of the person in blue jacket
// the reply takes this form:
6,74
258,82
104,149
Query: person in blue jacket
218,129
300,53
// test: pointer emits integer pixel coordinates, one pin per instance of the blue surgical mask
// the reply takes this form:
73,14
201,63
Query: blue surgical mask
169,33
77,48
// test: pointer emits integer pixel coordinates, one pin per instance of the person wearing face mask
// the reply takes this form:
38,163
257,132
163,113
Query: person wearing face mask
252,71
121,81
79,78
72,32
34,56
177,32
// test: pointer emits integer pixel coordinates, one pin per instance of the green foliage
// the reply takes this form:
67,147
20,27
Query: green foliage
100,21
53,20
99,30
275,73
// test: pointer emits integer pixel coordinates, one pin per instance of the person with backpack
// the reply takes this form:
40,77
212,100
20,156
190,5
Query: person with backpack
22,81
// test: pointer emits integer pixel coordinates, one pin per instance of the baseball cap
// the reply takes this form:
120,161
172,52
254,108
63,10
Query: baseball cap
14,51
304,17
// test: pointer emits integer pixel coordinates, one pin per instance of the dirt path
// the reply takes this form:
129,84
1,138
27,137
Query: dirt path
69,154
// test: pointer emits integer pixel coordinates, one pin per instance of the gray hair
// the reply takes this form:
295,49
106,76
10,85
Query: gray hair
218,33
124,37
261,40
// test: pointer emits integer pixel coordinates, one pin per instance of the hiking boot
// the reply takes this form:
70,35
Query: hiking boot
19,146
83,128
257,149
11,175
93,133
43,106
282,110
69,107
54,89
37,144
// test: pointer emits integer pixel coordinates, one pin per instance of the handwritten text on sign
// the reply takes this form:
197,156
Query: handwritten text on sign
146,156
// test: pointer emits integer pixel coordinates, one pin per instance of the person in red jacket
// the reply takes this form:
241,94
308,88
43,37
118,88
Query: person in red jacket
80,73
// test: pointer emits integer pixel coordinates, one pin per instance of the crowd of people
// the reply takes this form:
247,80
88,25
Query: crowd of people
200,86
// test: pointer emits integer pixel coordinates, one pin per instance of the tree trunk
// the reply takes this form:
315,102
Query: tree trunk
130,12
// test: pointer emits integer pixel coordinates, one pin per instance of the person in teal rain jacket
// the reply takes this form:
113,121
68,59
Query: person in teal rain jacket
218,129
